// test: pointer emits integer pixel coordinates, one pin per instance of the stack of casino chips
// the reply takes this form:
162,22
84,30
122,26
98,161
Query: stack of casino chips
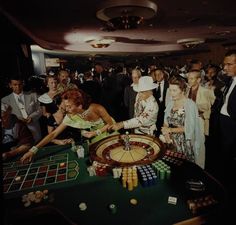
129,178
178,155
198,204
162,169
147,175
100,169
34,197
174,158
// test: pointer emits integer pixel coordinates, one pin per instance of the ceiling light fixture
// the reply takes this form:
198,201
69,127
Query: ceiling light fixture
190,42
126,14
100,43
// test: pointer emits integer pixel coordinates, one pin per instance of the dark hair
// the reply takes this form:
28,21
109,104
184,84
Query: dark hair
78,97
57,99
98,64
195,61
179,81
231,52
162,69
87,75
15,77
213,66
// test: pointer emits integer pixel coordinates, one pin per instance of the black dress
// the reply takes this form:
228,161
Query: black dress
69,132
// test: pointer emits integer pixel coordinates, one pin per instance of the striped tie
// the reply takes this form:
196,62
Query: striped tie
20,100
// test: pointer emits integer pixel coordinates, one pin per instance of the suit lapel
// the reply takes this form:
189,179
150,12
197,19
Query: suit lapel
27,103
231,101
166,85
14,104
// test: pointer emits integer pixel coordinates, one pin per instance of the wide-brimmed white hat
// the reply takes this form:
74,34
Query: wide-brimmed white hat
145,83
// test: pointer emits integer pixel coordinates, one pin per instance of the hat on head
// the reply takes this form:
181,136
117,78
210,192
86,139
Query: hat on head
145,83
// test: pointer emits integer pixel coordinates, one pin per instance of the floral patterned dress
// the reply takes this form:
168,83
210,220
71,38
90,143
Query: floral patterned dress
177,119
145,116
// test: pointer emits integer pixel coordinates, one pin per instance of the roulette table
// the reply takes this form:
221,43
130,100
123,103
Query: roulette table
141,149
50,170
74,197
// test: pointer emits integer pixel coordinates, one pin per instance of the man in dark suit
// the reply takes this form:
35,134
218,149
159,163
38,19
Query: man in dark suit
100,74
228,117
91,87
160,77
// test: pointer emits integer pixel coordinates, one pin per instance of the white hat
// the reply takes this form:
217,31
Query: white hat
145,83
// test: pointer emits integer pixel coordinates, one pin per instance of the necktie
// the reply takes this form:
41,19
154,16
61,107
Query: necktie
158,92
190,93
226,89
22,106
20,100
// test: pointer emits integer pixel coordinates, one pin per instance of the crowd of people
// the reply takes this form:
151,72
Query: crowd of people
192,110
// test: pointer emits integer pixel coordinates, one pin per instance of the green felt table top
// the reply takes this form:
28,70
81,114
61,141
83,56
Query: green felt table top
99,192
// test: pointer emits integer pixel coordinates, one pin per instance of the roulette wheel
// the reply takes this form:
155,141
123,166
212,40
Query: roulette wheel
127,150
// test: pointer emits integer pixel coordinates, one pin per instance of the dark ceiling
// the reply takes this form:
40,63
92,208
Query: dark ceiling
71,24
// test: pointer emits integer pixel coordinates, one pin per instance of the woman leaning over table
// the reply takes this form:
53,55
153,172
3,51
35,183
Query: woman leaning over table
92,119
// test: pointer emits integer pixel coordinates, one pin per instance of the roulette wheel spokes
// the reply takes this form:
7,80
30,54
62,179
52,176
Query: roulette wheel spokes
127,150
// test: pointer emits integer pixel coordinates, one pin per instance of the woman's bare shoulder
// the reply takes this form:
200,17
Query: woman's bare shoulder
96,107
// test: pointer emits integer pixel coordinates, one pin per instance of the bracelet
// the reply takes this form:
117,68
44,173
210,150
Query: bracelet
34,150
98,132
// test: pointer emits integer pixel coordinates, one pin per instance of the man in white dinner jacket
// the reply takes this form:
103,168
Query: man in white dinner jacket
25,106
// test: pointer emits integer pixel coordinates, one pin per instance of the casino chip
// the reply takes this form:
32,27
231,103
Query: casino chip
45,192
27,204
113,208
172,200
133,201
62,164
18,178
82,206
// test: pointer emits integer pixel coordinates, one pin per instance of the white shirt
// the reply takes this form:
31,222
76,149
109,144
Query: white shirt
161,89
134,86
21,104
224,107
